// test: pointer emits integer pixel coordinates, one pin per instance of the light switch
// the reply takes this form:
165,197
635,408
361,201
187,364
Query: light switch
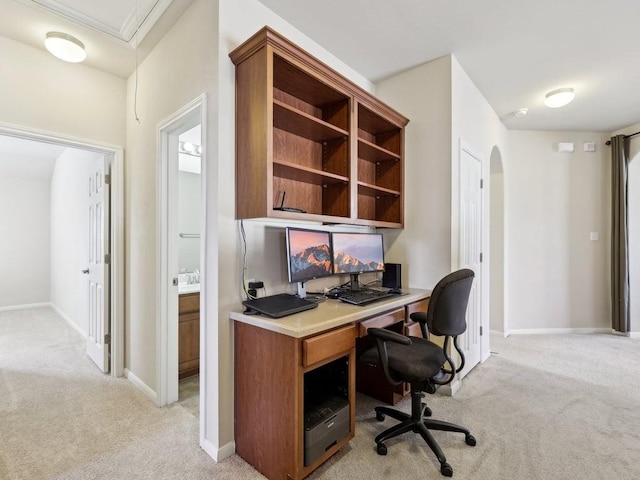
594,236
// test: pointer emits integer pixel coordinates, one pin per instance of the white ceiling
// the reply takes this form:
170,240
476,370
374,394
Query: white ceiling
110,30
513,51
27,159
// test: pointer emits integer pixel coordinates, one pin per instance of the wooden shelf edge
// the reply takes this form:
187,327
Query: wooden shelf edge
376,189
335,178
387,153
321,124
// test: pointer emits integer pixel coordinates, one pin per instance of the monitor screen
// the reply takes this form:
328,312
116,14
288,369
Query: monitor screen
357,252
308,254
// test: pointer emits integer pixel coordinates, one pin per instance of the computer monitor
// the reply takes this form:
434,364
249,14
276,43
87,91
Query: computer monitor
308,256
356,253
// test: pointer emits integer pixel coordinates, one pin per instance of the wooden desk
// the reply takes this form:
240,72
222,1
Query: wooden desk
271,359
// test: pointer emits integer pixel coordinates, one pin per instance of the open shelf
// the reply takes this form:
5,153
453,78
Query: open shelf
375,191
304,129
304,174
286,117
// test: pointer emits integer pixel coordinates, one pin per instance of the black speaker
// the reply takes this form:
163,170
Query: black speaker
392,275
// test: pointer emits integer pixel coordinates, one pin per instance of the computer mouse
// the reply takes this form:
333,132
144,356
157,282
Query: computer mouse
395,291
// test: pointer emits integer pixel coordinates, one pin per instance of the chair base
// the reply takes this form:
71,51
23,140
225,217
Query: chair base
417,423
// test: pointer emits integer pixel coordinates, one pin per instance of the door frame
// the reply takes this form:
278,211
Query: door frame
115,154
481,279
187,117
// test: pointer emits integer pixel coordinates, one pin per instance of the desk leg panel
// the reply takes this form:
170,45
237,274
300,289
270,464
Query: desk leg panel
267,400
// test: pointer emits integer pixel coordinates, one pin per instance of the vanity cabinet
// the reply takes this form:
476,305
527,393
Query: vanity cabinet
309,139
188,335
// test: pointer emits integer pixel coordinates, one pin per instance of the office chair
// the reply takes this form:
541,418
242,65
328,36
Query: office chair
424,364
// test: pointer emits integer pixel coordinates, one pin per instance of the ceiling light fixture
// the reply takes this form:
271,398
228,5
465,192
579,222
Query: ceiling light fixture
521,112
559,97
65,47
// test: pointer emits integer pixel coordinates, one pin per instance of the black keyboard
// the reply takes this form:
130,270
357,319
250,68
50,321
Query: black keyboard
364,296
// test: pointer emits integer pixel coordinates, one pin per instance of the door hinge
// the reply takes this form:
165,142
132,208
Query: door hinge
481,257
107,259
107,338
480,330
481,183
107,179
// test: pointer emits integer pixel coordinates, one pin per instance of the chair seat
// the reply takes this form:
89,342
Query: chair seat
412,363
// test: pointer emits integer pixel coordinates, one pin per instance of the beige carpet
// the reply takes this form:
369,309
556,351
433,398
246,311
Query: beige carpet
542,407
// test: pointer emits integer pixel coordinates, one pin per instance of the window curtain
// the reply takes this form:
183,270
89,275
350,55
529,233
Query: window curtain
620,317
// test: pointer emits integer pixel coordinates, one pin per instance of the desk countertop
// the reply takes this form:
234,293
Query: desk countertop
329,314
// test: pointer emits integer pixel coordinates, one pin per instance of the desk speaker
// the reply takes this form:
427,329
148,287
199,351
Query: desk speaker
392,275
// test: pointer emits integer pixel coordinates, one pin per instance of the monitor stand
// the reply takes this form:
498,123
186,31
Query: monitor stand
302,290
354,283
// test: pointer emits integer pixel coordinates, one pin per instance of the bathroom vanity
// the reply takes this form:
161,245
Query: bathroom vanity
188,334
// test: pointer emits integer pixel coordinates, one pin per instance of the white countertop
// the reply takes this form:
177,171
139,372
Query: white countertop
188,288
329,314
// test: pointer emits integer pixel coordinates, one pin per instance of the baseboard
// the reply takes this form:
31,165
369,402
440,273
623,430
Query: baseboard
554,331
499,333
25,306
218,454
634,334
69,321
140,385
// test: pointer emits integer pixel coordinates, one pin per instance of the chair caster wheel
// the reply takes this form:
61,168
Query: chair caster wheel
427,412
446,470
381,449
470,440
379,416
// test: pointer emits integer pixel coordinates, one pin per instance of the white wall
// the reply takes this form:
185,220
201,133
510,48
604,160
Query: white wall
189,220
43,93
423,247
634,224
24,243
69,235
558,277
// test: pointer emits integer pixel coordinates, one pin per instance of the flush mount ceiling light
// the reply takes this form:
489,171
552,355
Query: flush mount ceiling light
559,98
65,47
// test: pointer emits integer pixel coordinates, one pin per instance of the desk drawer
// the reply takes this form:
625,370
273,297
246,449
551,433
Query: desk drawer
381,321
316,349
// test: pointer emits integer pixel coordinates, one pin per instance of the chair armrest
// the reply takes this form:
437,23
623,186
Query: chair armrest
421,318
389,336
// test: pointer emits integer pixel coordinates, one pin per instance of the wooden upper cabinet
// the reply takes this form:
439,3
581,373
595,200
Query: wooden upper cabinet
307,134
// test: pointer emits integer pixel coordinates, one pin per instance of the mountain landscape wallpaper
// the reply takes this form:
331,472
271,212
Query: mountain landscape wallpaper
357,252
309,255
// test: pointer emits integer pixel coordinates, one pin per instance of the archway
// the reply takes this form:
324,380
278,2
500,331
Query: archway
498,320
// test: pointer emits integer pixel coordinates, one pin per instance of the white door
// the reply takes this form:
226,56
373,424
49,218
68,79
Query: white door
98,267
471,251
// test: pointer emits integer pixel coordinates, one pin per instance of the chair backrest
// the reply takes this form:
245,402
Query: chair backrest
448,304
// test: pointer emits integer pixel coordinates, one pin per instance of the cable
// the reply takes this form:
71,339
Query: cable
244,261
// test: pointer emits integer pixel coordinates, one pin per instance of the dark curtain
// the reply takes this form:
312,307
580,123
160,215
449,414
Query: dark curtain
620,318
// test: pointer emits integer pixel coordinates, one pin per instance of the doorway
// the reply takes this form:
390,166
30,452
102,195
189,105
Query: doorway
471,234
497,284
74,151
182,154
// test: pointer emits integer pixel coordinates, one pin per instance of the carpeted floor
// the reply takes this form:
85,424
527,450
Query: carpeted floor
542,407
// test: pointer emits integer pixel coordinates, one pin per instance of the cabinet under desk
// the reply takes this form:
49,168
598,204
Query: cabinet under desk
273,359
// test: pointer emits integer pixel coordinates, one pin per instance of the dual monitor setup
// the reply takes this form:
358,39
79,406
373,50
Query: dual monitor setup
315,254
